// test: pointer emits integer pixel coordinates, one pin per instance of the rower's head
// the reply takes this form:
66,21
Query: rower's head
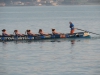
29,30
53,29
15,30
3,30
40,30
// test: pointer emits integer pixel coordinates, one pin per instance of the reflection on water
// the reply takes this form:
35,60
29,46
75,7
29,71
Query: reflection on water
51,40
60,57
95,37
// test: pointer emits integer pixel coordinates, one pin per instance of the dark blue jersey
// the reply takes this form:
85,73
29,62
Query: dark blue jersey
3,34
71,26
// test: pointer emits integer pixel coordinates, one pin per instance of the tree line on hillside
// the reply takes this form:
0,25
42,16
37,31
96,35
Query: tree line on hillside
63,1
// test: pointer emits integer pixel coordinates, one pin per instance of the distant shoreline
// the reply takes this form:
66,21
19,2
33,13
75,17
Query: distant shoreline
47,5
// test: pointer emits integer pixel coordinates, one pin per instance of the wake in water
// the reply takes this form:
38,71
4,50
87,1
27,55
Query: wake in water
95,37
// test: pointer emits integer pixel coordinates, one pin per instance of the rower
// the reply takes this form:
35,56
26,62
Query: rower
16,32
54,32
42,33
72,28
4,33
30,33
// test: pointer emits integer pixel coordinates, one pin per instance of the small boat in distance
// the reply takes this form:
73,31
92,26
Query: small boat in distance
43,37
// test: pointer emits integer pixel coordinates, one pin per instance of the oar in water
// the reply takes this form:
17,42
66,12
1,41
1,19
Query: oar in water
87,31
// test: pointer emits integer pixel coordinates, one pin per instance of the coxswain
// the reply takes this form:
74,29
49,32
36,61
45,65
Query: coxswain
72,28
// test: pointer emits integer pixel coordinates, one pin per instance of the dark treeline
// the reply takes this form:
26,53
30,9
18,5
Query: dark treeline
62,1
44,0
80,1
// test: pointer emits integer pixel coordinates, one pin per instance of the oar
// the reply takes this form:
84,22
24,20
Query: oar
87,31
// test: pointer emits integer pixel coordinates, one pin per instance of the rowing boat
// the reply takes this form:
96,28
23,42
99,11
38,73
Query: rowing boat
41,37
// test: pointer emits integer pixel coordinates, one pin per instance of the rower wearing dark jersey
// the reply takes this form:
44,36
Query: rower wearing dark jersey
16,32
42,33
30,33
4,33
54,32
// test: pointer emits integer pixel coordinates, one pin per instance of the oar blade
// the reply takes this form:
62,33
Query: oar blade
87,31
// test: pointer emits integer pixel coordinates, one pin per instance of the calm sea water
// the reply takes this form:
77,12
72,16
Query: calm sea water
60,57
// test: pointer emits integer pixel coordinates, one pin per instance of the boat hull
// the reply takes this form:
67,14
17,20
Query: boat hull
43,37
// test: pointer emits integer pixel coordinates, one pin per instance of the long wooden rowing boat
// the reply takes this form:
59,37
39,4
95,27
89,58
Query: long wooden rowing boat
41,37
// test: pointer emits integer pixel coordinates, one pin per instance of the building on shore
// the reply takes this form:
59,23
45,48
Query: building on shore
46,2
2,4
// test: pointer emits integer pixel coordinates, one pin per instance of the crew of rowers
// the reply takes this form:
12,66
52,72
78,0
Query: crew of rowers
29,32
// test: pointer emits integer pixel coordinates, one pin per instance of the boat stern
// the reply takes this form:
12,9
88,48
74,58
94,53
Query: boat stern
86,34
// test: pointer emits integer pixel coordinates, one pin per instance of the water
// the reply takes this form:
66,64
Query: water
47,57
